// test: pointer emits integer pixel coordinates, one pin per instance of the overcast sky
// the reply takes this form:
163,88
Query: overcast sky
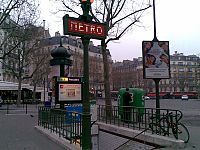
177,21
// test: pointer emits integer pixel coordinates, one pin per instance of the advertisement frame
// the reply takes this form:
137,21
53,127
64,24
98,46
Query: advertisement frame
70,92
156,60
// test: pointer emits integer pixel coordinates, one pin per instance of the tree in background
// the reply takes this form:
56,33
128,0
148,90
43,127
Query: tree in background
20,39
119,16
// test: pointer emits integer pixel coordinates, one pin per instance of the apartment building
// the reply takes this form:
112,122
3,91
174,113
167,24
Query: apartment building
75,48
185,76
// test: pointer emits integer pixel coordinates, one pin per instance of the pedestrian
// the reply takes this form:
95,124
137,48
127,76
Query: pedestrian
127,110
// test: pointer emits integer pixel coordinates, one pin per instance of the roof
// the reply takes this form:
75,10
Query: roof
5,85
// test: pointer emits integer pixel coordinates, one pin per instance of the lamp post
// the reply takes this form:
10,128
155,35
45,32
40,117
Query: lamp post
86,120
61,57
156,80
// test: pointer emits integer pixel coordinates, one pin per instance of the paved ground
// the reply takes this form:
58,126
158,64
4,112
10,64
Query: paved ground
191,117
18,133
17,130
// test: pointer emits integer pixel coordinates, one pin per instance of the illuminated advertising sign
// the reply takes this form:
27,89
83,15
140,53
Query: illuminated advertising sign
156,60
77,27
69,92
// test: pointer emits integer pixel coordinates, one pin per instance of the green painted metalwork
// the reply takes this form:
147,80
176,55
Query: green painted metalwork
56,120
169,122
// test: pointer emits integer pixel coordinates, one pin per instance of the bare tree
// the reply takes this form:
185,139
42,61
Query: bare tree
119,17
40,65
18,22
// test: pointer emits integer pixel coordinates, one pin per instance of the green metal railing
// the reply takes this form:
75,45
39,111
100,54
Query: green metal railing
67,124
156,121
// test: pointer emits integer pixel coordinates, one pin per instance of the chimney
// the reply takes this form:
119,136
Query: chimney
57,33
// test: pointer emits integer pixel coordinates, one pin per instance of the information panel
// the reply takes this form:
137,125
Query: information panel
69,92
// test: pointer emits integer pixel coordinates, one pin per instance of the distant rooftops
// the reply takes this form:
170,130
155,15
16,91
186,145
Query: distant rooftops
71,40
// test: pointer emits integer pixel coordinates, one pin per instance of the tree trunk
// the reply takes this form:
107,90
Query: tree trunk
19,93
34,92
108,102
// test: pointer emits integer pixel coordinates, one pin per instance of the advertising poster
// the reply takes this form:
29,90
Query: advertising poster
69,92
156,60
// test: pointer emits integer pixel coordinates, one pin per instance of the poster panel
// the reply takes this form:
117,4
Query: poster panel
156,60
69,92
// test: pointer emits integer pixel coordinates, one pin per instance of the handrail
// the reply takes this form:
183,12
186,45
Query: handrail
140,117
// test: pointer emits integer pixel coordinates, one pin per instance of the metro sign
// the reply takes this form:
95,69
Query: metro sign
77,27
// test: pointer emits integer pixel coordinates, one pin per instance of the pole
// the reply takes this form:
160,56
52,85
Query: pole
157,93
26,106
62,74
86,128
44,89
156,80
154,22
86,118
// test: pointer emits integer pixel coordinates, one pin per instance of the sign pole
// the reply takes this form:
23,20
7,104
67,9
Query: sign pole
86,118
156,80
86,29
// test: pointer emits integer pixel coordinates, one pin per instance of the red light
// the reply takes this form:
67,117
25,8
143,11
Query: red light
91,1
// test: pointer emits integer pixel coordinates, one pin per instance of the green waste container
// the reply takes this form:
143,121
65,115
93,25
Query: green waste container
137,96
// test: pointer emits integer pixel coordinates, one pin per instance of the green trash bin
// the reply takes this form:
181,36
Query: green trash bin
137,101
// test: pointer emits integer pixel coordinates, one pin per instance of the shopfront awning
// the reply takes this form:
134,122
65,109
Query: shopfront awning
4,85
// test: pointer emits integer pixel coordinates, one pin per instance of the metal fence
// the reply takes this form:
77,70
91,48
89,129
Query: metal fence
65,123
68,124
158,121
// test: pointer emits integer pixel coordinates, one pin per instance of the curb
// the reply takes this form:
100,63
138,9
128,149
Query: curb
59,140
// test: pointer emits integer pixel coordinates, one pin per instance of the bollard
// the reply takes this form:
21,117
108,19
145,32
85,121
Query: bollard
7,107
26,107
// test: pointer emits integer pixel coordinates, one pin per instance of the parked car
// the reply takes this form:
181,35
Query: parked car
184,97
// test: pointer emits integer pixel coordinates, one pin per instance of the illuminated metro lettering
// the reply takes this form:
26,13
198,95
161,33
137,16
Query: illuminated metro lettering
99,30
85,28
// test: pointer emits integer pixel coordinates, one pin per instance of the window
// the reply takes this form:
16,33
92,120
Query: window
181,69
189,63
189,69
180,63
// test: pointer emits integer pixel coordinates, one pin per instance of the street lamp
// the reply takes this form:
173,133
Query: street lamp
61,57
86,6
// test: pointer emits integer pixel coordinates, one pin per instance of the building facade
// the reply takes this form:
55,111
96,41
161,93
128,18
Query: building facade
185,76
75,48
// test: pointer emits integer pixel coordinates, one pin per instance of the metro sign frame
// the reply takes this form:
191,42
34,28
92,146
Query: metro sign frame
77,27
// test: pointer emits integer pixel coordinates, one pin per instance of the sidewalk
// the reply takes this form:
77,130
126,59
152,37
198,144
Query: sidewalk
18,131
193,143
